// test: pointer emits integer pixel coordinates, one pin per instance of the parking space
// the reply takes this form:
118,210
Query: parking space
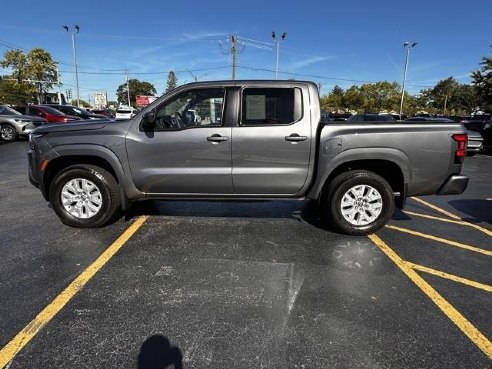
241,285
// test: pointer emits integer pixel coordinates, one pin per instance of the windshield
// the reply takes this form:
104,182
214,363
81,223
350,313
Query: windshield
5,110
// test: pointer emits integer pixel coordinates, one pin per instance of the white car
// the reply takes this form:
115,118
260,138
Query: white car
125,112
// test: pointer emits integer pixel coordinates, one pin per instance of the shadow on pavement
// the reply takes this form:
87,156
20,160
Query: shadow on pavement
480,211
157,353
306,211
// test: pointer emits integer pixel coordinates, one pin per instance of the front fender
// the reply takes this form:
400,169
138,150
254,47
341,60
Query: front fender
67,155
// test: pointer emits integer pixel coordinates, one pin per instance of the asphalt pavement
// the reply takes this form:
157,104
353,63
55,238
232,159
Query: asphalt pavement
244,284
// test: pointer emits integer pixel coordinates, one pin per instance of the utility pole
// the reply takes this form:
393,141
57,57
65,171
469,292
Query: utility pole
128,90
234,55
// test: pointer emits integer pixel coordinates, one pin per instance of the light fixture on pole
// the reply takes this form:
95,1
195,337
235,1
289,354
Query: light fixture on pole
274,36
407,46
74,49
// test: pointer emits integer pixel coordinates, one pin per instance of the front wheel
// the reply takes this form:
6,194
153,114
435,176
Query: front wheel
9,133
85,196
358,202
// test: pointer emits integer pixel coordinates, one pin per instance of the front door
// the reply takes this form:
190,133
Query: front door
189,151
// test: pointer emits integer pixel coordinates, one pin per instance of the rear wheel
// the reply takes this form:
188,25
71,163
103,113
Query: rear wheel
85,196
358,202
8,132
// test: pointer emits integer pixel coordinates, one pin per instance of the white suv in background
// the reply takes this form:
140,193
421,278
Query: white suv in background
125,112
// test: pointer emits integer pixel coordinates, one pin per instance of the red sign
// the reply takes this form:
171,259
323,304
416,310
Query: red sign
143,100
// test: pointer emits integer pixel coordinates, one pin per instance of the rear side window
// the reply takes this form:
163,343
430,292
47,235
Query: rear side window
271,106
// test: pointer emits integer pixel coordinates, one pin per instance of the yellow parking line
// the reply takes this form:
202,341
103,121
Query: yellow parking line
488,232
436,208
442,240
9,351
456,317
451,277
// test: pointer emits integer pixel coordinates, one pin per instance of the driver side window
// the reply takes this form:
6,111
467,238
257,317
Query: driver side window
190,109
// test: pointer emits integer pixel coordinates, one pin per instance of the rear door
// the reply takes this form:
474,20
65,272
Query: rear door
271,144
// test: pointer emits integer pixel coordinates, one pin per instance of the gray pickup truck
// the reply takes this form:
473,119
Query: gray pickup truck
244,140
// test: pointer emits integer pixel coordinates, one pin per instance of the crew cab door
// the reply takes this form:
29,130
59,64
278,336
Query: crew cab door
189,150
271,144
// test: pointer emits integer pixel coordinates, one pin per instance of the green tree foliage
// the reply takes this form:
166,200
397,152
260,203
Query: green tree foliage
172,82
482,80
83,103
370,97
34,73
137,88
448,97
11,92
334,100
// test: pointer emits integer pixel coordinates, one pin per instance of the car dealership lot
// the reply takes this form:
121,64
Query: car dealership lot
249,284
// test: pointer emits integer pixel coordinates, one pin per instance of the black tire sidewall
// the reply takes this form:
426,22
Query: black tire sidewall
95,175
341,184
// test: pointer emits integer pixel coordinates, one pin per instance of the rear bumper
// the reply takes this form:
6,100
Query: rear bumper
454,185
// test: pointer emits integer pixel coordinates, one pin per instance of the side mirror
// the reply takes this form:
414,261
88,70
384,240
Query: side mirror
149,119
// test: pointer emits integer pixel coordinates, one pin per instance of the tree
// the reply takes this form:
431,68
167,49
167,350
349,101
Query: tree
137,88
35,72
172,82
11,92
482,80
334,100
81,103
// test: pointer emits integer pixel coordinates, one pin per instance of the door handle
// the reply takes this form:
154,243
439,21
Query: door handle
294,137
217,138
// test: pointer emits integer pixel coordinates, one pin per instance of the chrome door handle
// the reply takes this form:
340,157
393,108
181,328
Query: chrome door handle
294,137
217,138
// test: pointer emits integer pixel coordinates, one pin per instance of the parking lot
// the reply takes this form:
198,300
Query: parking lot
245,285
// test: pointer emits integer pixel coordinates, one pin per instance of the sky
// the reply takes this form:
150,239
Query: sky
342,43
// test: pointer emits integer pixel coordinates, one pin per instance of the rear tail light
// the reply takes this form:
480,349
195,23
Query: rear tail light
460,153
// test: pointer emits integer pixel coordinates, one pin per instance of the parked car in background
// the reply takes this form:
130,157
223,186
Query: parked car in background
46,112
475,139
103,111
484,127
76,111
371,118
125,112
13,124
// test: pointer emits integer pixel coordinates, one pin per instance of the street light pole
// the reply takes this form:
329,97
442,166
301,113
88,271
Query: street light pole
74,49
284,34
407,46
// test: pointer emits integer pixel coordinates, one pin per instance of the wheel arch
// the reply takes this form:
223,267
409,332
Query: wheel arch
89,155
387,169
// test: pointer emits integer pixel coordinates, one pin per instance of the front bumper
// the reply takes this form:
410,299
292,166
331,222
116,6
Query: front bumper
454,185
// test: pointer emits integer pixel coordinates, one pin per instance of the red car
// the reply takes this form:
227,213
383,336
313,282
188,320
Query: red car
46,112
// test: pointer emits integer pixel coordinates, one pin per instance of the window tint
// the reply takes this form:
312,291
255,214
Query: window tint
193,108
5,110
21,109
269,106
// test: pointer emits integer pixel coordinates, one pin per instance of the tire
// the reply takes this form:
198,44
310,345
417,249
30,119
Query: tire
9,134
358,202
85,196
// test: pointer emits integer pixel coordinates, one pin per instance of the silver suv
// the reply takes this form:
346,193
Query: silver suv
13,124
